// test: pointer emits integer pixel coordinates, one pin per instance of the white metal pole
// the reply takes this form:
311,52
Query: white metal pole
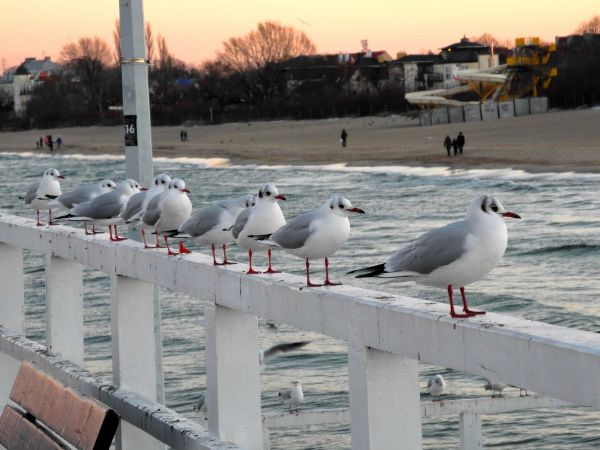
12,316
385,403
64,308
470,431
233,377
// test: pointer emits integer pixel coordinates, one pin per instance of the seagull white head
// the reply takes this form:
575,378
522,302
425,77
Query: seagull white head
296,383
161,181
130,187
53,173
108,184
340,206
488,206
177,184
249,200
269,193
438,379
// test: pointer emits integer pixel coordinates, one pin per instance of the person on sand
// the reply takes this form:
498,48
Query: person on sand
460,140
59,142
455,147
448,144
343,137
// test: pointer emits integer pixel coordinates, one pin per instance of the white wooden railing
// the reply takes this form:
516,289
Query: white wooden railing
387,337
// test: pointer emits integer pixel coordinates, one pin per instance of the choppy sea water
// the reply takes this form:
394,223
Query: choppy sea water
549,273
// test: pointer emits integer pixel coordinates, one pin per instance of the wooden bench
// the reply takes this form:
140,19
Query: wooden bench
46,411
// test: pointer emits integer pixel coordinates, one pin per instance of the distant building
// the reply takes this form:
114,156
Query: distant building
19,81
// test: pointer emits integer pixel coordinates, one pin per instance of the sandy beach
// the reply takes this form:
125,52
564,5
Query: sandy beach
557,141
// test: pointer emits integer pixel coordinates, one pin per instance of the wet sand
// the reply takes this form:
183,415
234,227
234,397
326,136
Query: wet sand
557,141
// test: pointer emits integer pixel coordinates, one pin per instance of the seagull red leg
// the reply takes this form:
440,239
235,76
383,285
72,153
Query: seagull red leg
225,261
110,235
117,237
215,263
169,251
87,233
270,268
37,215
472,312
328,282
452,312
183,248
50,218
308,283
251,271
157,241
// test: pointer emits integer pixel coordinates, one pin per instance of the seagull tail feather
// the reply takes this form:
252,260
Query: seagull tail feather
365,272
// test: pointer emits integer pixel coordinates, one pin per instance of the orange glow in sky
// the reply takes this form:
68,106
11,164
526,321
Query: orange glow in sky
195,29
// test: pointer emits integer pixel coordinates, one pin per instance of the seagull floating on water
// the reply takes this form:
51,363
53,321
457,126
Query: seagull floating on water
212,224
42,192
316,234
455,255
263,218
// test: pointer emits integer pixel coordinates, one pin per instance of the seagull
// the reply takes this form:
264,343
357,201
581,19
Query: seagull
106,208
455,255
200,405
212,225
263,218
495,387
83,194
316,234
167,211
294,396
137,203
264,356
40,193
436,386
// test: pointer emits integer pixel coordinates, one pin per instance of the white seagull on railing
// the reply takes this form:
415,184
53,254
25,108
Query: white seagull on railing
455,255
436,385
294,396
315,234
40,193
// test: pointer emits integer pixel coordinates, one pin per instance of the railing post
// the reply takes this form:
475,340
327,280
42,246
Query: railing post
64,308
12,316
470,431
384,400
233,377
136,356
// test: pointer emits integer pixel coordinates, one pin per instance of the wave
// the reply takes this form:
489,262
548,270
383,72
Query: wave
506,174
576,249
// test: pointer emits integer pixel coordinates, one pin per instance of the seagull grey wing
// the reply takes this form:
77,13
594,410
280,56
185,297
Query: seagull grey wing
286,395
152,213
240,222
280,349
134,205
31,192
432,250
202,221
105,206
430,382
77,196
200,405
295,233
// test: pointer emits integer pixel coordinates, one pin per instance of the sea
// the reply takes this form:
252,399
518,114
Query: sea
549,273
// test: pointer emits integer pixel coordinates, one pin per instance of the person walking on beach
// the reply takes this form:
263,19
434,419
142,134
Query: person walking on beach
455,146
50,143
448,144
460,140
41,142
59,141
343,137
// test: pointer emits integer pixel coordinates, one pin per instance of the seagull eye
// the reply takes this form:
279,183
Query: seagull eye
260,195
494,207
268,193
341,206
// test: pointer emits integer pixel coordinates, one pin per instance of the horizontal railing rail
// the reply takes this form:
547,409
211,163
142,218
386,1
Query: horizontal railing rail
387,335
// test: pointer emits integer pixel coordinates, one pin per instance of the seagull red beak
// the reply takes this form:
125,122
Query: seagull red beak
185,190
280,197
61,177
355,210
511,214
143,189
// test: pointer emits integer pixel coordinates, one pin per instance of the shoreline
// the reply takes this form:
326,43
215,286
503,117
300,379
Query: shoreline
557,142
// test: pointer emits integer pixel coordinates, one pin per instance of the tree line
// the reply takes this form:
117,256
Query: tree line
245,81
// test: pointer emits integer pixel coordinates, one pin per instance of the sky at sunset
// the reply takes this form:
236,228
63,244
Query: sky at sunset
195,29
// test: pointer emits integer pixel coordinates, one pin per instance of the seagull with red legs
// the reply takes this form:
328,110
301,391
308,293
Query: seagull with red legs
41,193
263,218
212,224
316,234
452,256
166,212
137,204
106,208
83,194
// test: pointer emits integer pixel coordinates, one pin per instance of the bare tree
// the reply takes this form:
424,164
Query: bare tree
149,43
88,58
591,26
270,42
489,40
